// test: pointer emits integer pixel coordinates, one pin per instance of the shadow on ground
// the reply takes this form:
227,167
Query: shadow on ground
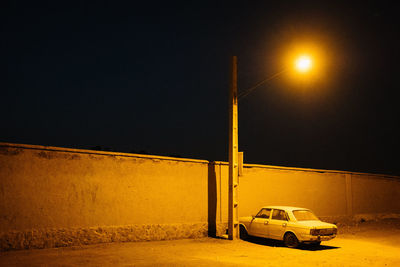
278,243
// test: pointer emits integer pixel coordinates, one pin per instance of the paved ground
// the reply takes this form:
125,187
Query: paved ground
368,244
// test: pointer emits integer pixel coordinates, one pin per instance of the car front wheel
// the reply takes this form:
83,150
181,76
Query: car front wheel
291,240
243,233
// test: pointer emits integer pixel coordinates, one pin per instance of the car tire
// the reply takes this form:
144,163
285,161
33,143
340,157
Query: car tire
243,233
291,240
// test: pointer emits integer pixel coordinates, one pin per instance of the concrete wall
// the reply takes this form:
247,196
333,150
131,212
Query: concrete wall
335,196
51,197
64,193
371,195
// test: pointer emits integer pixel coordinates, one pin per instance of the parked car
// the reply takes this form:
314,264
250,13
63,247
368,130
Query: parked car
291,224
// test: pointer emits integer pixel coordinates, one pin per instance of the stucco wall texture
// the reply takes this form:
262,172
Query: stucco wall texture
51,197
335,196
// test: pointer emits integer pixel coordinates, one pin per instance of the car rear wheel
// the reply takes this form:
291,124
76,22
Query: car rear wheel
291,240
243,233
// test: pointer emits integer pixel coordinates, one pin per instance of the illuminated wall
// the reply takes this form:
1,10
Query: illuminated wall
335,196
52,197
321,192
59,197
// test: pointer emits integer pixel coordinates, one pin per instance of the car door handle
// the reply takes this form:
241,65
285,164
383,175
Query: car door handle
266,222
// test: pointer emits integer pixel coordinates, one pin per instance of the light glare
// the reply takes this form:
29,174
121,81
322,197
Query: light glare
303,63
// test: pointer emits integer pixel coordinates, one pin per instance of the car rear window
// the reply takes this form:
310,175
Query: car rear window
305,215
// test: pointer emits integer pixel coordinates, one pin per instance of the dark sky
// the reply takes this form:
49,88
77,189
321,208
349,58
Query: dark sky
154,77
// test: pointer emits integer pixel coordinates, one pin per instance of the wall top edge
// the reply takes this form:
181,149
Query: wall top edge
249,165
96,152
246,165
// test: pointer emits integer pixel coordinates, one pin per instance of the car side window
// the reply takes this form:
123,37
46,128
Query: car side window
279,215
264,213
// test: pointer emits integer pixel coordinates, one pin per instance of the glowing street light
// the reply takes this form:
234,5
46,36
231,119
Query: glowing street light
303,64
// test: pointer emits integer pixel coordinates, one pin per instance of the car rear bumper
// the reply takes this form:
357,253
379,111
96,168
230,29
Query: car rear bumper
316,238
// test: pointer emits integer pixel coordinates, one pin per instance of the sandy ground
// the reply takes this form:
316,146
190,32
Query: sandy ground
365,244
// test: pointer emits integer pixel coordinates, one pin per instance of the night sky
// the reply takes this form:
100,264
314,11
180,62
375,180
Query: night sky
154,78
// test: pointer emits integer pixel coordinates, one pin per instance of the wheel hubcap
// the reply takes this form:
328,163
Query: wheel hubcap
290,240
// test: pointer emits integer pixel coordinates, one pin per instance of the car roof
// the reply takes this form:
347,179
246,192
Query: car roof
287,208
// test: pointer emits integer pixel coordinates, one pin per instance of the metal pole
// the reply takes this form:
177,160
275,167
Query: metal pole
233,215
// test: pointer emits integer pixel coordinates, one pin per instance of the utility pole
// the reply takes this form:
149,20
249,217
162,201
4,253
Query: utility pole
233,214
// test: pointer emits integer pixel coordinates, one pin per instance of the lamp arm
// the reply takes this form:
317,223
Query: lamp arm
251,89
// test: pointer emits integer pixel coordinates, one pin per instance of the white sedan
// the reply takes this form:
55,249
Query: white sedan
290,224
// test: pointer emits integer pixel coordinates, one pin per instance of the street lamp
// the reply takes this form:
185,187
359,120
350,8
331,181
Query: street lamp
302,64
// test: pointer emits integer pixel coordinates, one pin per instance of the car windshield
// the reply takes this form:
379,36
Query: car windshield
305,215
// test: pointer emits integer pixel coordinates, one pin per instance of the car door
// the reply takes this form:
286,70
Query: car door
259,224
277,224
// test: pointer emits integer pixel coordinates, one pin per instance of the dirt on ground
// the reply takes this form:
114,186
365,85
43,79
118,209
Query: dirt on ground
370,243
